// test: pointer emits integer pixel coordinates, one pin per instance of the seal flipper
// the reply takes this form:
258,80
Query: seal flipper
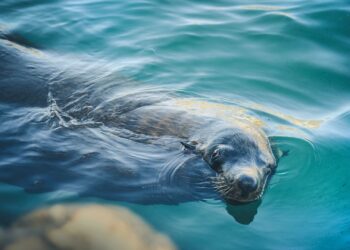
281,153
284,153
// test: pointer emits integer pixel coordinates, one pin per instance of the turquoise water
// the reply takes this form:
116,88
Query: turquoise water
287,62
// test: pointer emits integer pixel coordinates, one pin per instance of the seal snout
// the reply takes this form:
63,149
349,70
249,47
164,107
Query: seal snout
242,184
247,184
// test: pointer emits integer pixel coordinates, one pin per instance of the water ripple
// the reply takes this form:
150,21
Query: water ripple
282,65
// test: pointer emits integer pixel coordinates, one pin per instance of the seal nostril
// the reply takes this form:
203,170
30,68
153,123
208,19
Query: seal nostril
247,184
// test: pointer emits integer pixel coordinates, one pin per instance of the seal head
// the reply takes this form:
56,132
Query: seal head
242,162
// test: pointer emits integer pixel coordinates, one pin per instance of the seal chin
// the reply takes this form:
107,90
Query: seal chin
240,197
239,202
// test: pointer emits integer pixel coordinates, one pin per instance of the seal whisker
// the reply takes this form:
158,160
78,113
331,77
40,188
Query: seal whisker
220,185
224,189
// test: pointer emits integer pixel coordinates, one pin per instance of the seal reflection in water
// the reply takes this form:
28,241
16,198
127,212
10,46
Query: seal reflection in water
238,152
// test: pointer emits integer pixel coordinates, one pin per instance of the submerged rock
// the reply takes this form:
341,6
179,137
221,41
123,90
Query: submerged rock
88,227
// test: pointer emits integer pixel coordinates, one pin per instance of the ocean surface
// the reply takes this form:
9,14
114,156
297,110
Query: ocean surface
286,64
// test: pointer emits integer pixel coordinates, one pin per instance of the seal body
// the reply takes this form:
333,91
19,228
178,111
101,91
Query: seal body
237,153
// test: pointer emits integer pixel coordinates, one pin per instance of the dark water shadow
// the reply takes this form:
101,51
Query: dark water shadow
243,213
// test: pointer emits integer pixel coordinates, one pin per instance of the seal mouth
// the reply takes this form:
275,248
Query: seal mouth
230,189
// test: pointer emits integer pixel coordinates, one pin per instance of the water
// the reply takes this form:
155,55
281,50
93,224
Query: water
285,62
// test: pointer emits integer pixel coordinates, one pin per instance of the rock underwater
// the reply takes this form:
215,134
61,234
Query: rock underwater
88,227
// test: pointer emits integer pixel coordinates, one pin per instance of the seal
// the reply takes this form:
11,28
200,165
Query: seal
238,151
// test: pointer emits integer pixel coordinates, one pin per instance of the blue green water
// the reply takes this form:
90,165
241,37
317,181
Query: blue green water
273,57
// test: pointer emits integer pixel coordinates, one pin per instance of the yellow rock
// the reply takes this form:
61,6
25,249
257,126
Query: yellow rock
87,227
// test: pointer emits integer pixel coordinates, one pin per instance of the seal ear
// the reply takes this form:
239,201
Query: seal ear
189,146
192,146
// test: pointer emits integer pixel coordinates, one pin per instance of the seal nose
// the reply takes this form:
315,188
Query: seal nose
247,184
